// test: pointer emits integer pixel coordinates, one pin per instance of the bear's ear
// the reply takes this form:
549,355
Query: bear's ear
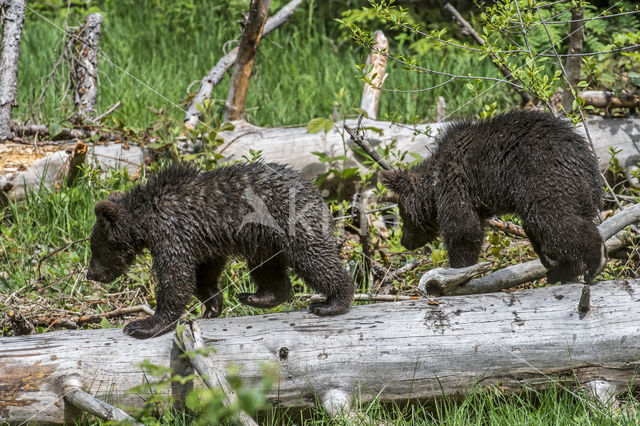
115,196
109,211
396,180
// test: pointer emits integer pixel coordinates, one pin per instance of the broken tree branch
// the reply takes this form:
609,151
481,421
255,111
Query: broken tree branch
218,71
251,35
377,61
74,395
359,138
192,344
12,14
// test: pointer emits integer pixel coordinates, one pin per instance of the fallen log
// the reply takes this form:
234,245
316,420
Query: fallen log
391,351
455,281
620,133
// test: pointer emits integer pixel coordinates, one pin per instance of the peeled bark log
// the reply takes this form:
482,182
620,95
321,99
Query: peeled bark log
378,62
251,35
620,133
12,19
391,351
85,75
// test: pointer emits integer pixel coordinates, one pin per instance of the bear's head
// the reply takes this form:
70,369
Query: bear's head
111,250
418,225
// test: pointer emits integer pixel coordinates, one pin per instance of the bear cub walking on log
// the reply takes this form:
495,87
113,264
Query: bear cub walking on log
191,221
529,163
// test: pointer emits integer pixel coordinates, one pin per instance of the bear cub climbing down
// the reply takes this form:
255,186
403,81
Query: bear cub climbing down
529,163
191,221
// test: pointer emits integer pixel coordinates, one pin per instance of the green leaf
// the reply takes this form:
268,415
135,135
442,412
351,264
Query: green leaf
320,123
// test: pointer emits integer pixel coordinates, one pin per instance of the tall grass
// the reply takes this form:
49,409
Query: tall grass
153,52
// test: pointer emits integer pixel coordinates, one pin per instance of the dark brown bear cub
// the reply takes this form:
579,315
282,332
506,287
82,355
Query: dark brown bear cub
191,221
528,163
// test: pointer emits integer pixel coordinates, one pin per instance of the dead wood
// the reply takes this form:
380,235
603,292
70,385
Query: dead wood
440,281
12,14
605,99
377,62
507,227
441,111
218,71
192,344
85,73
251,35
74,395
365,237
77,159
359,137
467,29
74,322
446,347
572,65
533,270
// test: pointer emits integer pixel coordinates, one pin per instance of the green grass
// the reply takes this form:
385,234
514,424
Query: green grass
154,51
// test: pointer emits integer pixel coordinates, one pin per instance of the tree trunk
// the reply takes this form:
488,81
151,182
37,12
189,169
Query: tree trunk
251,34
378,62
12,19
216,73
419,349
85,75
573,62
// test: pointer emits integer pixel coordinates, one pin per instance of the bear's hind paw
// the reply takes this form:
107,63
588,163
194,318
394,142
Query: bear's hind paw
146,328
325,309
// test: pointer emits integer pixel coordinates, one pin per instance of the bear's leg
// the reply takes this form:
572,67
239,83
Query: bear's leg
567,248
322,269
207,287
462,232
176,285
272,279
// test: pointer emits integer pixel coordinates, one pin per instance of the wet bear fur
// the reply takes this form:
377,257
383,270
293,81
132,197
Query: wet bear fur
524,162
192,221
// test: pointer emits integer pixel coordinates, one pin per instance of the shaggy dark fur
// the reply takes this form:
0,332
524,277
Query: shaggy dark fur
528,163
191,221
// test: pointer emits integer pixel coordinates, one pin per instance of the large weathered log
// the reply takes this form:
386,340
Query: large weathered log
12,14
251,35
54,169
391,351
620,133
217,72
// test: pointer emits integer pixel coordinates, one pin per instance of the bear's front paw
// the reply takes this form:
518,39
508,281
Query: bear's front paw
325,309
148,327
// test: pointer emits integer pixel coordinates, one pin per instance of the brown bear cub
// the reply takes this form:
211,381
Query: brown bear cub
192,221
528,163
